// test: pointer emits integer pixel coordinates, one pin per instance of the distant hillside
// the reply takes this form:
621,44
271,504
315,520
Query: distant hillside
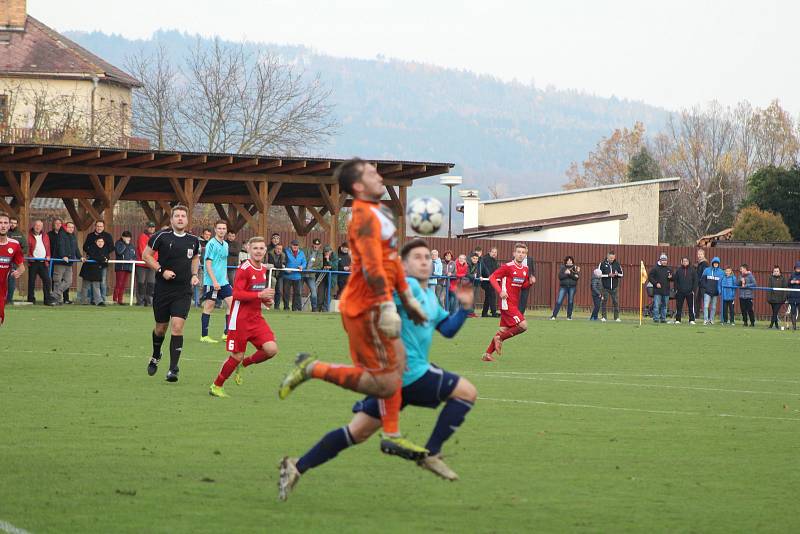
497,132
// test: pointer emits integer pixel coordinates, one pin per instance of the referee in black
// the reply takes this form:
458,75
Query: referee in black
176,273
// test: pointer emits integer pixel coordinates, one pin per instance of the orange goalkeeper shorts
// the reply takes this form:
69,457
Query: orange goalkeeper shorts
369,348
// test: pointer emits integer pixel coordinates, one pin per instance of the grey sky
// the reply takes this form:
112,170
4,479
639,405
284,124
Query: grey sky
673,54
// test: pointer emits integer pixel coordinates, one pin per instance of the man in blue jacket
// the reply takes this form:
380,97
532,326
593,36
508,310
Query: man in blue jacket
295,259
710,281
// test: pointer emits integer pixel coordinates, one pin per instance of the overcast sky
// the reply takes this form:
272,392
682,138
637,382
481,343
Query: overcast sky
669,53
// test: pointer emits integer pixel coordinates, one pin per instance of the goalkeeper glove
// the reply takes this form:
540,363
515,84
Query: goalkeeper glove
389,319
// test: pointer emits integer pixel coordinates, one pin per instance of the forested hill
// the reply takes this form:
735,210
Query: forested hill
498,133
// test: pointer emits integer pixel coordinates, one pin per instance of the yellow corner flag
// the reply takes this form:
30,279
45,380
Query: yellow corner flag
641,290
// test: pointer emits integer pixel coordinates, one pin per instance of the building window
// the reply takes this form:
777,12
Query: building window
4,111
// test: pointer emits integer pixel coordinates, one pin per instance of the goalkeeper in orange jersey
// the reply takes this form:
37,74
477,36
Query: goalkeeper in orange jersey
369,314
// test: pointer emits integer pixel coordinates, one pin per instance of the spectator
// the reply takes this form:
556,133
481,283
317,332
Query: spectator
438,270
277,259
747,283
776,299
448,269
709,286
488,266
274,241
15,233
55,229
794,296
475,278
685,288
523,294
597,292
702,264
39,245
205,237
325,279
343,260
295,259
69,253
612,273
568,276
460,271
145,276
727,288
125,251
92,270
108,248
234,249
314,263
661,277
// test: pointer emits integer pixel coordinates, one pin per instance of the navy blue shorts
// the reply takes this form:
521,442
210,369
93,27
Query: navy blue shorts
223,293
428,391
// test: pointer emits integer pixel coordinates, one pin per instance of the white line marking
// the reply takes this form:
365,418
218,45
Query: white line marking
5,526
637,410
62,353
661,386
739,378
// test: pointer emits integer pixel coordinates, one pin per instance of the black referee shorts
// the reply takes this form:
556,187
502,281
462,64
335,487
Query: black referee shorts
168,304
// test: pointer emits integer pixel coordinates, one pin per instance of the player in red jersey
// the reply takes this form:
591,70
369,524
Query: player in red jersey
508,281
10,253
246,322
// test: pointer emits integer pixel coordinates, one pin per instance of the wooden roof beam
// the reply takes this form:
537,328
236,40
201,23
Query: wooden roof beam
6,150
137,160
174,158
322,166
116,156
291,166
227,160
25,154
58,154
91,154
199,160
265,166
239,165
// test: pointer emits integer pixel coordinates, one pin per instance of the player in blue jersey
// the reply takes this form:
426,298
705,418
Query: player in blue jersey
215,280
424,384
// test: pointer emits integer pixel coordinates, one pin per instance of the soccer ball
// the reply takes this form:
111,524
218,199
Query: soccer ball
425,214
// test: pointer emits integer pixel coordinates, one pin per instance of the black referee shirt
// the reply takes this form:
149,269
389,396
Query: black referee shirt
175,253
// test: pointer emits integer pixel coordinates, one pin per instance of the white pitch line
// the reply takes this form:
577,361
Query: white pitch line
628,384
637,410
628,375
62,353
5,526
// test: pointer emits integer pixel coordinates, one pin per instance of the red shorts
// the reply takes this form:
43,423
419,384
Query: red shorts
256,334
509,318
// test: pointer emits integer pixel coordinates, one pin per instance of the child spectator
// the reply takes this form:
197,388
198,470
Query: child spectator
92,272
727,288
794,296
597,292
709,285
776,299
324,280
747,282
124,250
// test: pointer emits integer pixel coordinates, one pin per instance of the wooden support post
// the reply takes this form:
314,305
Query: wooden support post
188,193
401,218
24,200
108,215
333,231
263,206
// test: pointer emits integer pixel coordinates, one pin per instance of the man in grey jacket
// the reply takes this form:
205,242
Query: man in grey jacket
63,270
747,282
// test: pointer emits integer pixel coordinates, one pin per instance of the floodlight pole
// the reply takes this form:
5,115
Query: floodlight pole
450,182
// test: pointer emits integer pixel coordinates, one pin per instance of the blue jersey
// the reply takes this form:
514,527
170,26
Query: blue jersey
217,252
417,338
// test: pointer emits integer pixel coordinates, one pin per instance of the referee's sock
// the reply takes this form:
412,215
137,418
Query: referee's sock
451,417
204,320
175,348
157,342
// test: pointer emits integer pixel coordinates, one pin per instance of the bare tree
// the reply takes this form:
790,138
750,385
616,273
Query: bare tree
156,102
608,163
497,190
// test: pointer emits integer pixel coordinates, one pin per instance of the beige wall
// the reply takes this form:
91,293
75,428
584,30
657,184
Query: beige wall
640,202
68,98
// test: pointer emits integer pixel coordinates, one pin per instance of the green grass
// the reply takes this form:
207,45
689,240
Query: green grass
580,427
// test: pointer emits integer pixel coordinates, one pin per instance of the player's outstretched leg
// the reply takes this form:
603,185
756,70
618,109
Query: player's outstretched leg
288,477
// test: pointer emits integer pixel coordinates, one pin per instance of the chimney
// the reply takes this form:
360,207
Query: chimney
471,203
12,15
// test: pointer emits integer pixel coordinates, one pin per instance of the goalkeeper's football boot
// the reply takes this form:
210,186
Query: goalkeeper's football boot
217,391
172,375
298,375
152,367
237,375
288,477
208,339
402,447
436,465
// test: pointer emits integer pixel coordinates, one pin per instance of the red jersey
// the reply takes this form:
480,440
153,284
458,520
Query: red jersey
511,278
246,307
10,254
375,264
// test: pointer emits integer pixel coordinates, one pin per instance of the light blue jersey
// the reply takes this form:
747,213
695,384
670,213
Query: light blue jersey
217,252
417,338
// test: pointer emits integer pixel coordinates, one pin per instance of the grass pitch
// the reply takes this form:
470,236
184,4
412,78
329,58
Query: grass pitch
581,427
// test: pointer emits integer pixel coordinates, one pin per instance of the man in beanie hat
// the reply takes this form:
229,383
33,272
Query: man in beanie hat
661,277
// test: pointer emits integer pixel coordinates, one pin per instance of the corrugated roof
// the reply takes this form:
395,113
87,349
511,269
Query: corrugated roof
41,51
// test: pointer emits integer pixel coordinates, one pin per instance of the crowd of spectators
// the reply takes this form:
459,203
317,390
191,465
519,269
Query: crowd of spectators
310,278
